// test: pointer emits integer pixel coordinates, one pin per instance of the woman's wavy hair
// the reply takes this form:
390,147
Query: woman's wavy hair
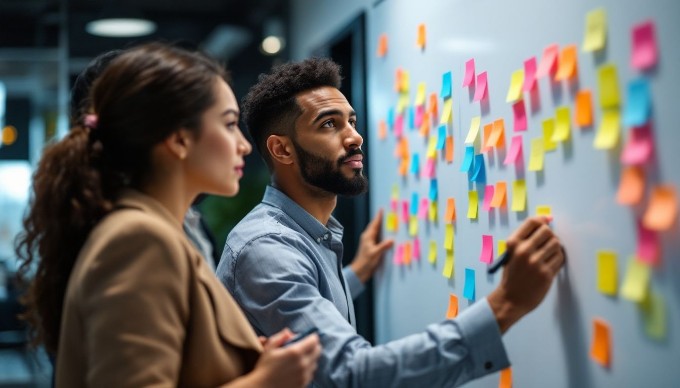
143,96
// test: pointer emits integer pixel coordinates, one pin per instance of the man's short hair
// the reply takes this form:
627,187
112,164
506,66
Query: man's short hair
270,107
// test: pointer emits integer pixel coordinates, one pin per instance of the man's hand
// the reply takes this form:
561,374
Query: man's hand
371,249
536,257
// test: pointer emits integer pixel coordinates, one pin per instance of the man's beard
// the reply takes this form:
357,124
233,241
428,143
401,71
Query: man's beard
326,174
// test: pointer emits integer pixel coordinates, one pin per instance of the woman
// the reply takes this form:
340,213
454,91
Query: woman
120,295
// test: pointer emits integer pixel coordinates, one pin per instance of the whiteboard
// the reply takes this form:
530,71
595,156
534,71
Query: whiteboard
551,346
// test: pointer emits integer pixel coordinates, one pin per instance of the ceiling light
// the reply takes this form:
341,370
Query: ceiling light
273,42
271,45
121,27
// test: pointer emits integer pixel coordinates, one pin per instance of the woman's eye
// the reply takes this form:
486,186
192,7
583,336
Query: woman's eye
232,125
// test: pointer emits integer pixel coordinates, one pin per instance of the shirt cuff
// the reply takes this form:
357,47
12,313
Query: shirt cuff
480,330
356,287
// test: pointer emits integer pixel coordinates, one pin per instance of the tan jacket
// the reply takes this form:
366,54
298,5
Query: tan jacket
143,309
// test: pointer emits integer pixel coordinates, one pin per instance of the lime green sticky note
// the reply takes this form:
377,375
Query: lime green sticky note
608,85
607,272
432,254
473,203
596,30
420,96
502,247
447,111
432,211
536,155
548,131
516,83
413,225
402,103
562,124
519,195
610,128
654,315
448,237
636,283
395,191
448,265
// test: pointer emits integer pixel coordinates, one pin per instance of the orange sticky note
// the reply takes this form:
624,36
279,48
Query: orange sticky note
497,137
382,46
488,129
450,210
407,253
631,186
506,378
568,68
600,349
584,108
662,210
398,75
499,195
449,149
452,311
432,108
421,36
382,130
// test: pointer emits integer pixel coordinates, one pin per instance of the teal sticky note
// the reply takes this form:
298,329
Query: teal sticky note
411,118
415,163
441,137
446,85
433,190
467,161
469,290
414,203
480,172
638,106
390,118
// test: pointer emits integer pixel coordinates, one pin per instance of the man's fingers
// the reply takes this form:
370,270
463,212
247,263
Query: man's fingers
526,229
556,261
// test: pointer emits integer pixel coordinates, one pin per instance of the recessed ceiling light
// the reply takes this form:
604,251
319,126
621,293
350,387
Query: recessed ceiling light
121,27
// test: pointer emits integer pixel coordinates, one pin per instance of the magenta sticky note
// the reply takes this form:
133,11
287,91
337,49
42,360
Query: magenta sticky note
420,112
515,150
394,204
416,248
645,52
422,210
428,170
480,90
487,249
548,63
404,210
529,74
469,78
640,146
648,248
520,116
399,255
488,195
399,126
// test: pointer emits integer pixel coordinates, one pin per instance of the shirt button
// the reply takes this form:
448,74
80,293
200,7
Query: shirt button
318,240
488,365
326,236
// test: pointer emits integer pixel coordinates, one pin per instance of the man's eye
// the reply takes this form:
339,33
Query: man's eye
353,123
327,124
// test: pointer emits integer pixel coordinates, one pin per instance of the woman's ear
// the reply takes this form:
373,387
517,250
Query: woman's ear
179,143
280,149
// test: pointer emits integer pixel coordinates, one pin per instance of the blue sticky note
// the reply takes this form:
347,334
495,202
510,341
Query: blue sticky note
415,164
390,118
414,203
480,172
446,85
469,290
411,117
638,107
467,161
433,190
441,137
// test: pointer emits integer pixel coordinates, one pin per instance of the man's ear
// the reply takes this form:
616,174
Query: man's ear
179,143
280,149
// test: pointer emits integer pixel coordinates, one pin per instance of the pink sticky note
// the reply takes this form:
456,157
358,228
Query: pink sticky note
548,63
399,126
529,74
480,91
515,150
648,245
645,53
416,249
640,146
487,249
399,255
428,170
404,210
394,204
469,78
420,112
488,195
520,116
422,210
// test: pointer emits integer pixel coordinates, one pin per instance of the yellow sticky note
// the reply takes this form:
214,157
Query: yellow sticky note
448,237
596,30
502,247
543,210
405,81
654,315
607,273
432,254
432,211
636,283
473,202
452,311
422,40
515,89
446,111
413,225
473,134
519,195
432,147
392,222
562,124
567,68
448,265
662,210
420,95
584,109
548,131
402,103
536,158
610,128
600,348
608,85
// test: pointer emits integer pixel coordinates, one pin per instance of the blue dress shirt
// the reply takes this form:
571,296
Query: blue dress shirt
283,267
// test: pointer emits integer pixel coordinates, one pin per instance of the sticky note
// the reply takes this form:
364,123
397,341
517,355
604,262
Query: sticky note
425,125
469,77
469,289
382,130
432,107
499,195
390,118
548,60
567,68
392,223
488,196
422,210
662,210
414,203
519,114
428,170
419,114
412,117
402,103
403,167
515,152
448,237
636,282
413,226
433,190
448,265
648,247
640,146
474,130
433,211
610,127
420,94
407,253
537,155
562,124
638,104
519,195
543,210
608,85
432,147
486,145
415,164
399,255
486,256
473,201
654,315
481,91
404,210
530,66
600,348
422,39
446,85
631,186
497,137
405,82
645,52
596,30
398,74
450,214
432,252
446,111
399,126
395,192
584,108
382,46
516,83
466,166
506,378
607,273
480,171
502,247
452,311
449,149
416,248
548,131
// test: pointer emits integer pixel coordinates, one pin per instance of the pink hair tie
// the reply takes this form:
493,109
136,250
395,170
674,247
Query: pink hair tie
91,121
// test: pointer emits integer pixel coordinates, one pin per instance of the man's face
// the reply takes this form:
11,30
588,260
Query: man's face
326,143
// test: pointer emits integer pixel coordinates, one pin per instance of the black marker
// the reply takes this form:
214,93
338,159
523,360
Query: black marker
505,257
302,335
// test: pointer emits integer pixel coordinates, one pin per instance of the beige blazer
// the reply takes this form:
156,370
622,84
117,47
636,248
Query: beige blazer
142,308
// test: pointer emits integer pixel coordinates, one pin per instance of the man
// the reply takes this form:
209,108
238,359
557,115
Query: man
282,261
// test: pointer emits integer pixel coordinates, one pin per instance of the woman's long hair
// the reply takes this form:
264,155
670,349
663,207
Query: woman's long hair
142,97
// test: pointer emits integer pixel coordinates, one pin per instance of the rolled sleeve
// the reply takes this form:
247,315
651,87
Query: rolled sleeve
356,287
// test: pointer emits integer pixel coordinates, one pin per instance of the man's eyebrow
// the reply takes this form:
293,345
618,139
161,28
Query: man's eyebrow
331,112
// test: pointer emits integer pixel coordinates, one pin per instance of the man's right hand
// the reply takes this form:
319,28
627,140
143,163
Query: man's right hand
537,257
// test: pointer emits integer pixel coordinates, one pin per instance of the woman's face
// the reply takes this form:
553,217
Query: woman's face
216,159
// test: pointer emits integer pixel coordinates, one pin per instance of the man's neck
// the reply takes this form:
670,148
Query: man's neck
320,204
